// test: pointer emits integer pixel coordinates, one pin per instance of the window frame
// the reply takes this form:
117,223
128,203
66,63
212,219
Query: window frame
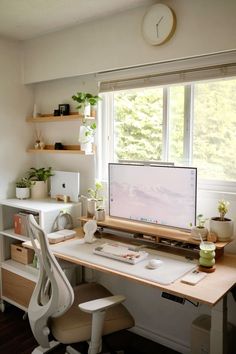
107,133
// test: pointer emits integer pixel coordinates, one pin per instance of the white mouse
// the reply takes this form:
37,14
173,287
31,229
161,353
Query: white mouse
154,263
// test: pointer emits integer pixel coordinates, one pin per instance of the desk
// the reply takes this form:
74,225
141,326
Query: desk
212,290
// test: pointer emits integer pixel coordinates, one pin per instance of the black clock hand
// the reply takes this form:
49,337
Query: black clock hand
158,25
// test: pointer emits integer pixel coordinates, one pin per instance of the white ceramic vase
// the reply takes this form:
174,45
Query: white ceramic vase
86,139
39,190
100,215
223,229
22,193
91,207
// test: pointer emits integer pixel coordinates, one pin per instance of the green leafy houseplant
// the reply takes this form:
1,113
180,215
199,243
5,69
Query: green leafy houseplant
83,99
221,226
40,174
199,229
223,208
96,192
23,186
39,178
201,221
24,182
95,203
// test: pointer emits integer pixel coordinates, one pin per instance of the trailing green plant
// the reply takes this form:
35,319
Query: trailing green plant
90,130
223,208
83,99
95,193
40,174
24,182
200,224
201,221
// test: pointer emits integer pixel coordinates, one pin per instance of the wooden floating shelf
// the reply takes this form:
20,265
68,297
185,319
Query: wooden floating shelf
48,118
68,149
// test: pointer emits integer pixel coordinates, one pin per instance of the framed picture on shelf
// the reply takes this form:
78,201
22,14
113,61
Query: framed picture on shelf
64,109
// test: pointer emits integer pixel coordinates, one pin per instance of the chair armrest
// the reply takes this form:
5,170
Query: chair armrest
101,304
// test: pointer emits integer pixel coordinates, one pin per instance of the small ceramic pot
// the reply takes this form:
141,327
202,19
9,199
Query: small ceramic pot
39,190
22,193
195,231
223,229
91,207
100,215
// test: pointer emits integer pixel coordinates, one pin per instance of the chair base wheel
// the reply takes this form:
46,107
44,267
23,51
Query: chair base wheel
40,350
70,350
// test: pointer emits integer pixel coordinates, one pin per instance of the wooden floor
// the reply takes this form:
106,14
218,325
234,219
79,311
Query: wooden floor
16,338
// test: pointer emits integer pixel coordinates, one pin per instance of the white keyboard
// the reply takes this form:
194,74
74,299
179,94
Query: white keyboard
120,252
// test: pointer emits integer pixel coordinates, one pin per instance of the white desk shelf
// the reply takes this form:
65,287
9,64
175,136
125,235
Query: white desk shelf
18,280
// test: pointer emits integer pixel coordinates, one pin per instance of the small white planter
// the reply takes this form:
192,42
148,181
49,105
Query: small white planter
195,231
86,139
223,229
91,207
22,193
87,147
39,190
100,215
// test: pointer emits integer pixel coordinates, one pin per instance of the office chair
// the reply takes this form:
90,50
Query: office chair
71,315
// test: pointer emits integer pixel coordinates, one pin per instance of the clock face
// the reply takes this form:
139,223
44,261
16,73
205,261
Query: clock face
158,24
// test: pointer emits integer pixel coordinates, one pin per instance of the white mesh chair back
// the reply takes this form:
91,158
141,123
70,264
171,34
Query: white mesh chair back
53,294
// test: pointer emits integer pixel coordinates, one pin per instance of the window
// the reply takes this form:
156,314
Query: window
185,123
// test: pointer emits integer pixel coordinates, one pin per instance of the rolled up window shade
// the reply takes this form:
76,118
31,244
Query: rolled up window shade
207,67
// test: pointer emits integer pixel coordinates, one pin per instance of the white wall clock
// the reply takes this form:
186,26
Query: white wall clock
159,24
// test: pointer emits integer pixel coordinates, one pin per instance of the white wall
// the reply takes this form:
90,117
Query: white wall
116,42
47,97
15,105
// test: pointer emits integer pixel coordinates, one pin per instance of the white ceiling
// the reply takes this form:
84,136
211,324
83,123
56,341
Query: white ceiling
25,19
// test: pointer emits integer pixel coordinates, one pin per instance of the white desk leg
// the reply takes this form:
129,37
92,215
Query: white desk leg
219,327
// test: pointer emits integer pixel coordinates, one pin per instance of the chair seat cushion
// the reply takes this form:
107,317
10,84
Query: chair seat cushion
75,325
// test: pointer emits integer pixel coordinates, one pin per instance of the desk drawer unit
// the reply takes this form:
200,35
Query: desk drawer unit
16,288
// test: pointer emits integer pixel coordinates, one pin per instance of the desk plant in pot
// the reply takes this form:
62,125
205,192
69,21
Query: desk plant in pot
23,188
84,102
199,229
39,179
95,202
220,225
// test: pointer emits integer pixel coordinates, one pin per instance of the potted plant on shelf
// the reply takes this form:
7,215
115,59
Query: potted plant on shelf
199,229
23,188
95,200
85,101
87,131
86,137
39,178
220,225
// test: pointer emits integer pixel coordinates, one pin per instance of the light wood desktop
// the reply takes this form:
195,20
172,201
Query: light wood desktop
212,290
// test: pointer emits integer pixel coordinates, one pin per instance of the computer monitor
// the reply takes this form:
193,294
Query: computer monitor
154,194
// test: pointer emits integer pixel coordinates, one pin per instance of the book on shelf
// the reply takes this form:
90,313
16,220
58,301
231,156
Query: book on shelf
20,222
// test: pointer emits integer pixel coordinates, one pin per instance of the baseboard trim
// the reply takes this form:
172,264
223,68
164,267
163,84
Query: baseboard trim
159,338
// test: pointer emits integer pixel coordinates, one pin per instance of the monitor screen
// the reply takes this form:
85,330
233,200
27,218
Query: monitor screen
154,194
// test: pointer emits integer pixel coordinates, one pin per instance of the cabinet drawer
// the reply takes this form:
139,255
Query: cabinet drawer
17,288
